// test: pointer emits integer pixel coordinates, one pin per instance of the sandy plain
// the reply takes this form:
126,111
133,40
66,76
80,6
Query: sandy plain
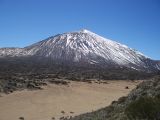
62,100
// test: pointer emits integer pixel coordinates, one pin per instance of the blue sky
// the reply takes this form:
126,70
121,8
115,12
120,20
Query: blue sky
135,23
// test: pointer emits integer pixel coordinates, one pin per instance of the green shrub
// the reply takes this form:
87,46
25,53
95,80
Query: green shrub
145,108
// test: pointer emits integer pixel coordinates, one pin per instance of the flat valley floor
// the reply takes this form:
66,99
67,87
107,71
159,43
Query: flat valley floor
62,100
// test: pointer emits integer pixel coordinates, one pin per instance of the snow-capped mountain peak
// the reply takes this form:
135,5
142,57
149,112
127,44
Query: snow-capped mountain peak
85,31
84,46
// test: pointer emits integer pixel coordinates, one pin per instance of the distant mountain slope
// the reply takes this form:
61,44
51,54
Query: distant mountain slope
84,47
12,52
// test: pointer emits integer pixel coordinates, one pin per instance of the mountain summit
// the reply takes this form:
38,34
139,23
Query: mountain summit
86,47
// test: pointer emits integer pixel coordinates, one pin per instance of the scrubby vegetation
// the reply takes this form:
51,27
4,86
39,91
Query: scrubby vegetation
31,73
10,82
146,108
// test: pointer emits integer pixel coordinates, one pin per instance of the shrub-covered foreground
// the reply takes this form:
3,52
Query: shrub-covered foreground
143,103
144,108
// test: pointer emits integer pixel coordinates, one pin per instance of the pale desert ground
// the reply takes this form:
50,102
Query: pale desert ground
78,97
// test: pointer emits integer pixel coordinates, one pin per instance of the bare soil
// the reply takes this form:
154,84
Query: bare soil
62,100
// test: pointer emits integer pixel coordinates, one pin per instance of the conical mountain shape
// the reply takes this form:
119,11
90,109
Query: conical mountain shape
86,47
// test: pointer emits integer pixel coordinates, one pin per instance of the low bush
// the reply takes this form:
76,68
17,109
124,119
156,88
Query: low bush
145,108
